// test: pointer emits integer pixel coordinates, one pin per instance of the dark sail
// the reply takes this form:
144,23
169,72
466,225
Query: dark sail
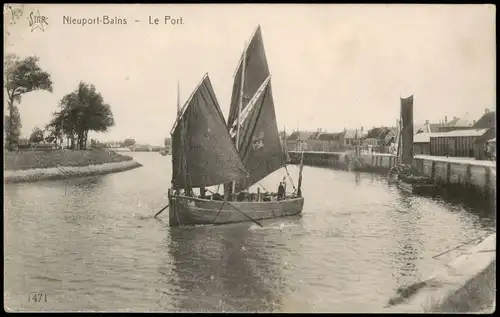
407,130
203,153
256,71
260,147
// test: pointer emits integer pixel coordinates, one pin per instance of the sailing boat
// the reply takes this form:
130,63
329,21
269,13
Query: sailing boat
407,176
207,151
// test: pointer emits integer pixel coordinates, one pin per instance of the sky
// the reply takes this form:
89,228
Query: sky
332,66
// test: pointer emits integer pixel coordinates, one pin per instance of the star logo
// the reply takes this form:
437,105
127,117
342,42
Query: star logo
37,21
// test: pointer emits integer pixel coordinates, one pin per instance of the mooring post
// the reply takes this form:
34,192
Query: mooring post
468,176
433,171
448,173
487,181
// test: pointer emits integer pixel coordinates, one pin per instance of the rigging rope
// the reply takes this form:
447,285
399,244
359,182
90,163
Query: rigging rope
291,180
262,186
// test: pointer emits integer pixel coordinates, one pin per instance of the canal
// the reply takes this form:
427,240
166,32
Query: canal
91,244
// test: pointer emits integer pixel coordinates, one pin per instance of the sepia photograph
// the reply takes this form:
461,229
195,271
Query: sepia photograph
281,158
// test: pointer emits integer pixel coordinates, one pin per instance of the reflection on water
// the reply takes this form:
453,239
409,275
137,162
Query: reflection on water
91,244
218,269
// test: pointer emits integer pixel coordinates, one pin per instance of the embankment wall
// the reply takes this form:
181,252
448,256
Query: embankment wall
54,173
466,284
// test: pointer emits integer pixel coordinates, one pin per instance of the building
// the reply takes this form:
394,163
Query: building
483,145
297,140
331,142
487,121
456,124
379,139
351,137
315,141
457,143
422,144
313,144
427,127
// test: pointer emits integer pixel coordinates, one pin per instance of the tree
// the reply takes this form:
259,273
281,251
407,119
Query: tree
128,142
21,76
12,127
82,111
36,136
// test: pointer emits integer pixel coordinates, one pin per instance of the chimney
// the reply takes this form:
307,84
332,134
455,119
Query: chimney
454,118
486,110
445,119
473,122
426,122
362,129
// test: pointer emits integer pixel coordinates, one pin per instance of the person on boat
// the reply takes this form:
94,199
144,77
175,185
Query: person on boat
281,191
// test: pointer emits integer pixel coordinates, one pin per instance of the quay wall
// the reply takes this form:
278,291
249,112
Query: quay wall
339,160
456,176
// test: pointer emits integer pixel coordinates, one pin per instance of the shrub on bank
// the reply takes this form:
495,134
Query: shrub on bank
22,160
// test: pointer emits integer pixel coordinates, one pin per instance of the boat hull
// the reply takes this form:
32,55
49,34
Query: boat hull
188,211
420,189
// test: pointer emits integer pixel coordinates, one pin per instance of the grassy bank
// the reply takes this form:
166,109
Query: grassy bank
24,160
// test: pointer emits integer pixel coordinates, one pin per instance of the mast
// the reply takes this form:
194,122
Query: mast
178,99
240,104
398,144
284,143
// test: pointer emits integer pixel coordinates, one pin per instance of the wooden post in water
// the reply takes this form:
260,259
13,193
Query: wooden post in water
299,190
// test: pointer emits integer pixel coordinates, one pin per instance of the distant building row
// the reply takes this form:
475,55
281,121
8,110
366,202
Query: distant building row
381,138
476,141
457,137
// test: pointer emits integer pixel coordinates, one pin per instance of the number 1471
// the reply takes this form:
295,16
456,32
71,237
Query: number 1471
37,297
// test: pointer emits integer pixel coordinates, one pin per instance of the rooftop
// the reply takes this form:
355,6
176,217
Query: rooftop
379,133
488,120
458,133
330,136
426,128
422,137
301,135
351,134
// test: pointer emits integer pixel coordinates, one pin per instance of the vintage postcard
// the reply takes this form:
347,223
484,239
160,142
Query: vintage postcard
249,158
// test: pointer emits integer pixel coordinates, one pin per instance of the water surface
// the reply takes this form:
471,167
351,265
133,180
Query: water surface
91,244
